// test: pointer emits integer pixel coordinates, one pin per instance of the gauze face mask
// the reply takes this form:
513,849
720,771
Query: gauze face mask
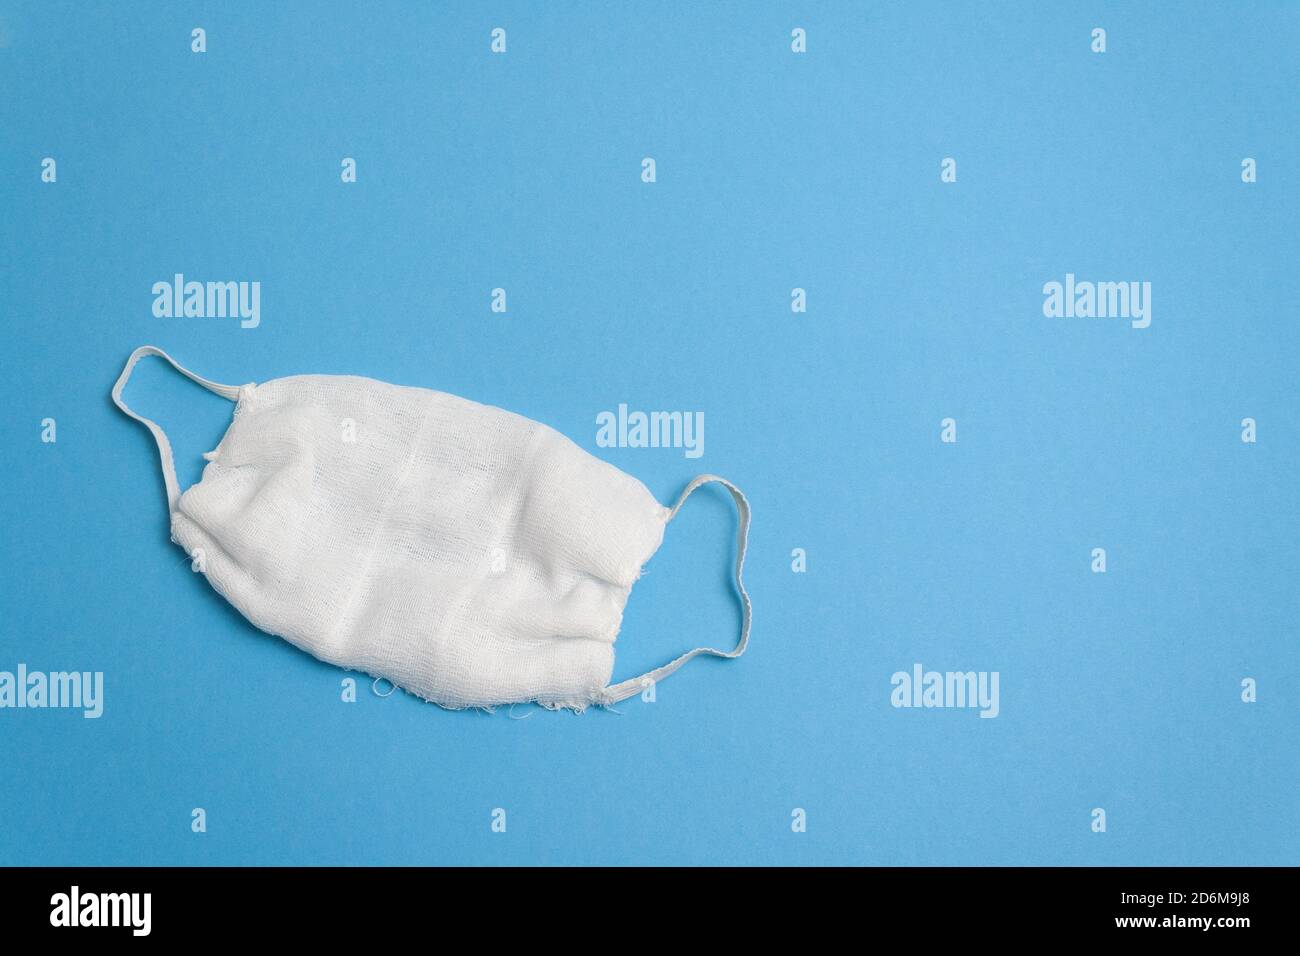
466,554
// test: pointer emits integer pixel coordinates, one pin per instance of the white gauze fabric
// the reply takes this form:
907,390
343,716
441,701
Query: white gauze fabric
467,554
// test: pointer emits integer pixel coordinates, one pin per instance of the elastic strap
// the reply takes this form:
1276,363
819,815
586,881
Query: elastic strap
628,688
164,447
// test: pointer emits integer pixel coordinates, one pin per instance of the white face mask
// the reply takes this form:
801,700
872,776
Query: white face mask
468,555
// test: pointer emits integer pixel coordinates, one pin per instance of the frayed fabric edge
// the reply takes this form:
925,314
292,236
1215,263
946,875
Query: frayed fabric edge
573,705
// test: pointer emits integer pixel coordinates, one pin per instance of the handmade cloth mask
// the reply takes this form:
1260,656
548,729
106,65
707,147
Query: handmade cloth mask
467,554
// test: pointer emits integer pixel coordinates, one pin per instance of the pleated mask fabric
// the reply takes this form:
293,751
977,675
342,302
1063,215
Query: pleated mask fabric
471,556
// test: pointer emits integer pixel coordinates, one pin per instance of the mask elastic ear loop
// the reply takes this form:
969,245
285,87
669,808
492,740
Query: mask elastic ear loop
164,446
628,688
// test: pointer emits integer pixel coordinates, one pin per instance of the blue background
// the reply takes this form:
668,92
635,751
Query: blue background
775,170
